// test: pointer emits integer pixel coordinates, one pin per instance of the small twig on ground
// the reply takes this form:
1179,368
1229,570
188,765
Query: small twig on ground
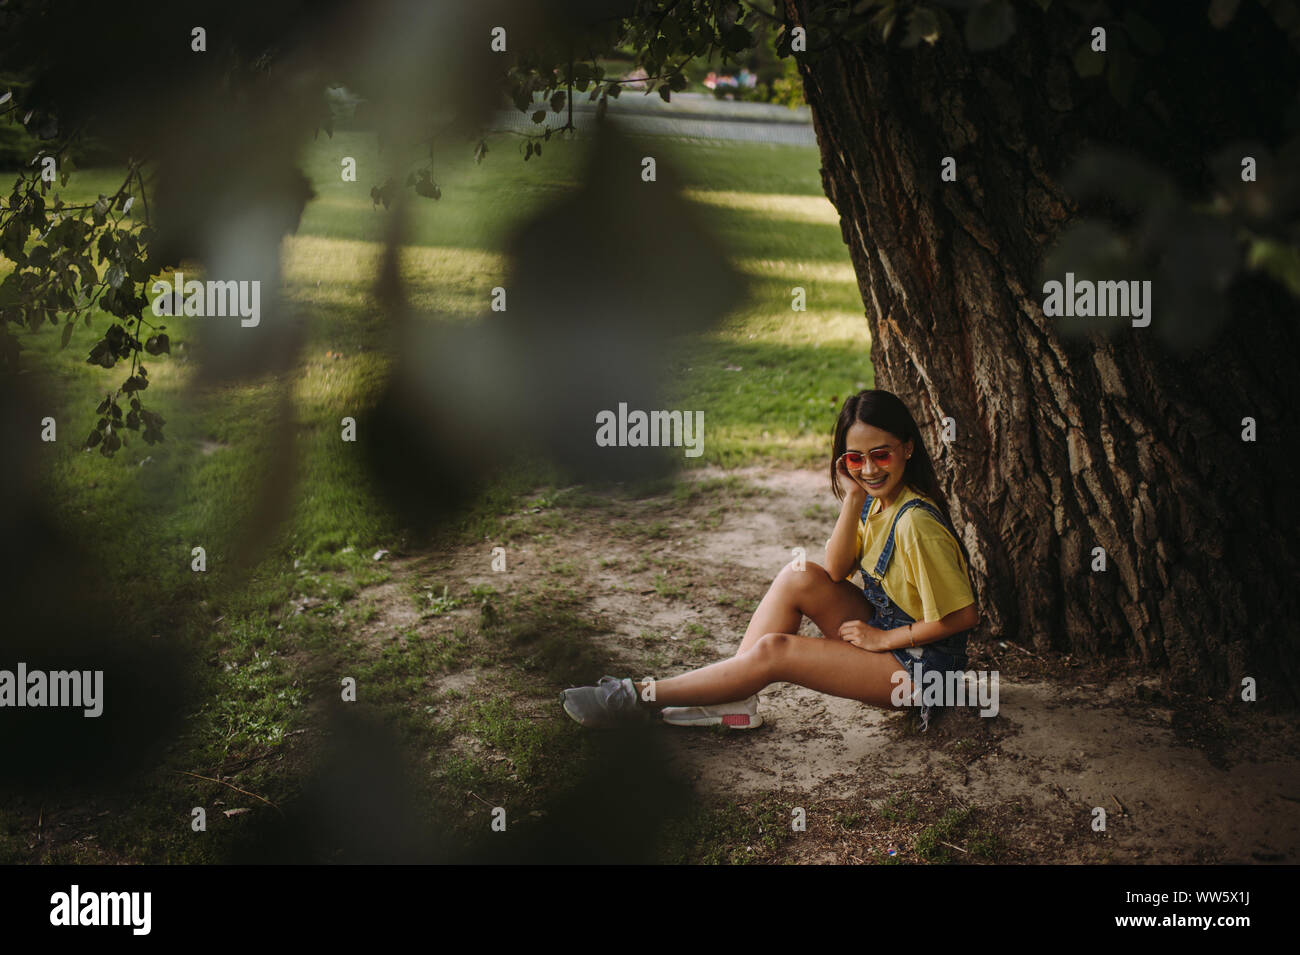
951,846
243,764
185,772
1122,810
1021,649
476,796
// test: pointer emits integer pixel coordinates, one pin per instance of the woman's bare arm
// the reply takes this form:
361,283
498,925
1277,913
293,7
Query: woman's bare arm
923,632
841,549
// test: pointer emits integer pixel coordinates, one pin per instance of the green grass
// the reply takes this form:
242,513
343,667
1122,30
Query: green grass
935,843
729,833
900,807
769,379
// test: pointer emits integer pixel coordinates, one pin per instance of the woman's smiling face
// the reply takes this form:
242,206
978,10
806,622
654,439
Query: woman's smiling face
883,480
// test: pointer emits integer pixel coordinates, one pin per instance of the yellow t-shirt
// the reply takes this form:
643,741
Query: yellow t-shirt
927,576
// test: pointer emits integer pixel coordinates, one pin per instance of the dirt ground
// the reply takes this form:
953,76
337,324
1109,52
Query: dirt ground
1180,780
655,584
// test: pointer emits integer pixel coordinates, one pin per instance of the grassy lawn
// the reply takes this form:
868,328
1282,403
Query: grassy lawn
271,642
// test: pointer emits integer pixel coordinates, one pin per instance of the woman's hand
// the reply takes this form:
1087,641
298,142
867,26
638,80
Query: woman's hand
849,481
863,635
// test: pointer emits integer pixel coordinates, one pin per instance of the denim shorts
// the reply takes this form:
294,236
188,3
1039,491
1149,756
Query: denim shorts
931,658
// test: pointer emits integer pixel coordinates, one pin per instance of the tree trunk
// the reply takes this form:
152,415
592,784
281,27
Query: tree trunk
1129,443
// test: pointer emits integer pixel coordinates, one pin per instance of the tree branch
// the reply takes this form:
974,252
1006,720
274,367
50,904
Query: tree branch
761,12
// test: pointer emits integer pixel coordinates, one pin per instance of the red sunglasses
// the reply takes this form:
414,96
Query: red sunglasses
881,456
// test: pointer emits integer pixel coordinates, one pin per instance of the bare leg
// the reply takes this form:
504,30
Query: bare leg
770,652
828,666
811,593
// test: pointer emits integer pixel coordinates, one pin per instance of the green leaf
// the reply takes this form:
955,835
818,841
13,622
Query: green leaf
885,20
1120,75
665,93
737,39
990,25
1087,62
923,24
1277,259
67,334
557,101
158,345
1143,33
102,355
538,115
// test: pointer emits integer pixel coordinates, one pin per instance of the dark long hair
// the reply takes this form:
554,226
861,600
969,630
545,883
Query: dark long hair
883,410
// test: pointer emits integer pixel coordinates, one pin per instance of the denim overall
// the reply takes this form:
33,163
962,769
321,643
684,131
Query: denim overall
940,655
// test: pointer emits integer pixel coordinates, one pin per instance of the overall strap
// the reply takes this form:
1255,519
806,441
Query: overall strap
883,563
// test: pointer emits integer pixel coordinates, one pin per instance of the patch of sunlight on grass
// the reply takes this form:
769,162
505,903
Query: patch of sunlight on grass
742,446
445,278
337,385
815,328
771,205
788,269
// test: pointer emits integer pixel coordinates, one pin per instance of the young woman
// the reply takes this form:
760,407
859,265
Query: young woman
915,609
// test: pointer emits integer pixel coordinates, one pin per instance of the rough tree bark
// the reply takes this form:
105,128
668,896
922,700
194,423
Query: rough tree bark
1064,445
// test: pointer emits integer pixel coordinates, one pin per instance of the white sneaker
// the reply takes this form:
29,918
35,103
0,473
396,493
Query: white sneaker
740,715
